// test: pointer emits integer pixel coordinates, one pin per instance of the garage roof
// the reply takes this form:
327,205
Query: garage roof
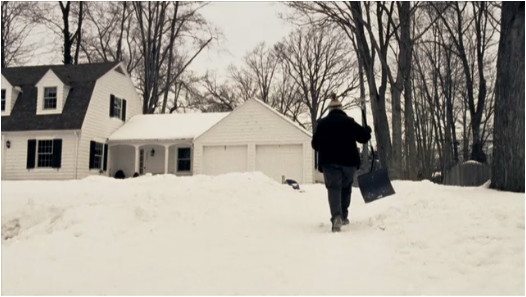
167,126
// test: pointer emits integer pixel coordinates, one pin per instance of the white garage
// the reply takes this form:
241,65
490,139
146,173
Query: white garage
220,159
280,160
255,137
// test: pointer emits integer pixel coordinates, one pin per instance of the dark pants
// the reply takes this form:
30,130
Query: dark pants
338,181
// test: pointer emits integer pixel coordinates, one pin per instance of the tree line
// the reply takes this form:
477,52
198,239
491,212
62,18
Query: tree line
429,71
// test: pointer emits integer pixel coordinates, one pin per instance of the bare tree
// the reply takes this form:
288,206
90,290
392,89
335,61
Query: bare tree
319,63
15,28
477,21
262,64
286,97
164,28
109,34
71,16
69,38
217,97
508,164
244,84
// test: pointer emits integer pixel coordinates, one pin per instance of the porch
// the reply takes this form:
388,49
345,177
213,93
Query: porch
150,158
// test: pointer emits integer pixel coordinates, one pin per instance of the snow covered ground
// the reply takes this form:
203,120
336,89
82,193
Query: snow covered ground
244,234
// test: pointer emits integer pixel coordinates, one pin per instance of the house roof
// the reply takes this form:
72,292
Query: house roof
81,78
167,126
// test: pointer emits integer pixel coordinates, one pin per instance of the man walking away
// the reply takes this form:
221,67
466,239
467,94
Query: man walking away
335,140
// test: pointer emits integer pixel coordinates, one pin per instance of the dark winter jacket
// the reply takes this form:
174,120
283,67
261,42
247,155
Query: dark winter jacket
335,139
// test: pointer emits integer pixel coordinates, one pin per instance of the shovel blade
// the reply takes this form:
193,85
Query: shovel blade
375,185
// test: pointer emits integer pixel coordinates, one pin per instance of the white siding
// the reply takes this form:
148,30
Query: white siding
14,159
279,161
224,159
98,125
254,124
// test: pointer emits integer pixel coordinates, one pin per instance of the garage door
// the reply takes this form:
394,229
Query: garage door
278,160
224,159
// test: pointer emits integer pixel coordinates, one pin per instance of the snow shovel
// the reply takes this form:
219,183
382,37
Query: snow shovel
376,183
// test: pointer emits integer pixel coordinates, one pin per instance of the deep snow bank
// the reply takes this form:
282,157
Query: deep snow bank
246,234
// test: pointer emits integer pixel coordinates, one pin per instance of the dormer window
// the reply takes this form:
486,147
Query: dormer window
52,93
50,98
3,99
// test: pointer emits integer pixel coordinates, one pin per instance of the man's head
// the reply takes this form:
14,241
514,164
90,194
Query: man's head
335,103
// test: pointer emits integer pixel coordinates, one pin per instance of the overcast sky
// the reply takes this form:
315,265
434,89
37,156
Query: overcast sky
243,24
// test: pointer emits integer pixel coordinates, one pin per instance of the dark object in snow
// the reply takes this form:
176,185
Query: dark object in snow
376,183
135,174
468,174
119,174
293,184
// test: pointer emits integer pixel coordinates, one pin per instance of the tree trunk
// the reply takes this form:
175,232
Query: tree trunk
508,149
405,61
4,28
65,31
381,124
78,34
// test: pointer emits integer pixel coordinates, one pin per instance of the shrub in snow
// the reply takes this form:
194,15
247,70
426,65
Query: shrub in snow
119,174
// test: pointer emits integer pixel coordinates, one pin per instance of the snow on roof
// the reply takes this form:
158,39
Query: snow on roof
167,126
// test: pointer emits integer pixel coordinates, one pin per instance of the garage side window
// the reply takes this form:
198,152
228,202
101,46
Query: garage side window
117,108
3,99
184,159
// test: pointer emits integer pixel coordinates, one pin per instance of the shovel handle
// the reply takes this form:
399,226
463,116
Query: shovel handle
364,119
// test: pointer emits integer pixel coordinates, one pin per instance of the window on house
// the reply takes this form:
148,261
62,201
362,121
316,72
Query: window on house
117,108
98,156
44,153
183,159
141,162
50,98
3,99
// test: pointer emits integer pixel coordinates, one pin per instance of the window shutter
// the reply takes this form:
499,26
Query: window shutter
57,153
31,151
123,115
112,105
105,166
91,154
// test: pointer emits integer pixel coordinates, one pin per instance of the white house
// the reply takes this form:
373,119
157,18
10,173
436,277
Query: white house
56,120
253,137
71,121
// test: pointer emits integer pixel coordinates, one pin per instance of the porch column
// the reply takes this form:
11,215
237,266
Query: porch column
166,158
136,158
108,161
